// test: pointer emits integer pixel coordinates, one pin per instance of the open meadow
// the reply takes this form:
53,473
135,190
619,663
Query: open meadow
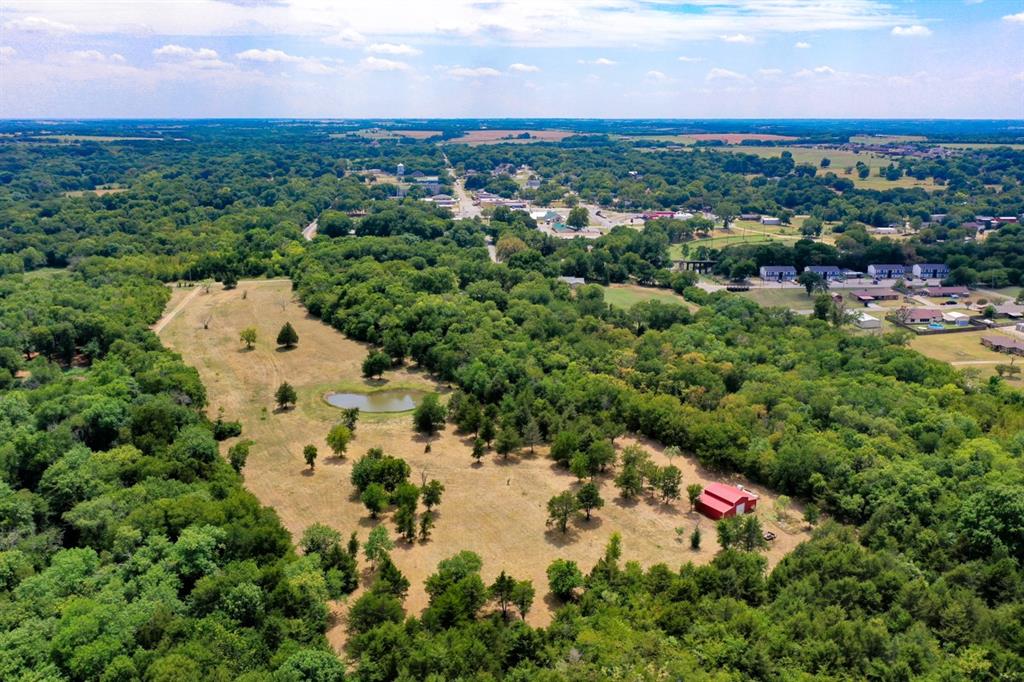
497,508
628,295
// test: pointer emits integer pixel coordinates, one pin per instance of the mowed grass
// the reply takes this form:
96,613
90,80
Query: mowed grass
963,351
497,509
789,297
627,295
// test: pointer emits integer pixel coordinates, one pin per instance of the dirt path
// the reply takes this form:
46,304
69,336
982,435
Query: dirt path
309,231
171,314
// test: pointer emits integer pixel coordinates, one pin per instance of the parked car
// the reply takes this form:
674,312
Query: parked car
769,536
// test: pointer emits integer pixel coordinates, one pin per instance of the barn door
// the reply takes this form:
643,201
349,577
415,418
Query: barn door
741,508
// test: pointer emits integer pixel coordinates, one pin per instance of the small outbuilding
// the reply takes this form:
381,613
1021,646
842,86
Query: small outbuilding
719,501
865,321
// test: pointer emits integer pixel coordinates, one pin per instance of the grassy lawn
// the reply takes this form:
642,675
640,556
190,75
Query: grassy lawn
794,299
628,295
961,350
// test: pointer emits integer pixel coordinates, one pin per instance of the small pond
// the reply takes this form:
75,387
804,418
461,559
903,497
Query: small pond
379,401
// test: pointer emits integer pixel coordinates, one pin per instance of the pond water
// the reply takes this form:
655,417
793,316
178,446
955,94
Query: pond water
379,401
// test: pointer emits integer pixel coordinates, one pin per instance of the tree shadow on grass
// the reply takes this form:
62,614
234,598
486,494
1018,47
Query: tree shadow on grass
554,536
306,471
625,503
594,523
285,349
283,410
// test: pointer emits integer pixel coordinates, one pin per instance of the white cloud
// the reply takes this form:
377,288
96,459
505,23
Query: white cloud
523,68
600,61
1015,18
656,75
172,51
306,64
767,73
738,38
7,52
915,31
691,60
592,24
393,49
96,56
347,37
802,45
468,72
379,64
39,25
723,74
825,70
267,56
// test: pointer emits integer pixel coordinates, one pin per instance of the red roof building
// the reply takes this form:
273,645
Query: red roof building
720,500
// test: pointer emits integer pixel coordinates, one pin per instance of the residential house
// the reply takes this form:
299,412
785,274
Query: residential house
866,296
922,316
940,292
1003,344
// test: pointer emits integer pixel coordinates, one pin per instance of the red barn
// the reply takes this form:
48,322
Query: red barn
720,500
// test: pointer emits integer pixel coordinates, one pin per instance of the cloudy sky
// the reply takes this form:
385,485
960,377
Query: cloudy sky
466,58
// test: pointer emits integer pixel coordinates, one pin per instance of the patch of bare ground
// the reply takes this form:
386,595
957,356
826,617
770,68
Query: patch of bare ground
497,509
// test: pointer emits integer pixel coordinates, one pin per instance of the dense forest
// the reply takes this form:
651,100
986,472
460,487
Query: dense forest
131,550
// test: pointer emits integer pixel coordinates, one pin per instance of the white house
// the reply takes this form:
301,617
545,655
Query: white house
770,220
957,318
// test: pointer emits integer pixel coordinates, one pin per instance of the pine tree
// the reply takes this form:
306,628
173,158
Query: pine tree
287,337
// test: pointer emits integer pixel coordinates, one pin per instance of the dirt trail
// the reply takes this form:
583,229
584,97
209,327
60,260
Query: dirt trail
171,314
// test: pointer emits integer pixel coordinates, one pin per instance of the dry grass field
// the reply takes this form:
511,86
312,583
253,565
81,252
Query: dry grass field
497,509
487,136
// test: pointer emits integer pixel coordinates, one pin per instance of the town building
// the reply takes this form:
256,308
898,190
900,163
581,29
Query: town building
828,272
931,271
778,273
886,271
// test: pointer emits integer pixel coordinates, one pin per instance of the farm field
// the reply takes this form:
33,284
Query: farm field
689,139
485,136
628,295
497,509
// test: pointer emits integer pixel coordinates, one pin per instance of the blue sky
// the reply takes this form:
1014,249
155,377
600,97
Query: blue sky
479,58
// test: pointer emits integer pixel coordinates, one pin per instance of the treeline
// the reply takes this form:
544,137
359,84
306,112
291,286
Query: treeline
129,549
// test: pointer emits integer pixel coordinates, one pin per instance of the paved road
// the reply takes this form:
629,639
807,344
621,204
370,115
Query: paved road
466,207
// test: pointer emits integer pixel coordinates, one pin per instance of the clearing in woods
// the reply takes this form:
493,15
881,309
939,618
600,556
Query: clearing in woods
497,509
